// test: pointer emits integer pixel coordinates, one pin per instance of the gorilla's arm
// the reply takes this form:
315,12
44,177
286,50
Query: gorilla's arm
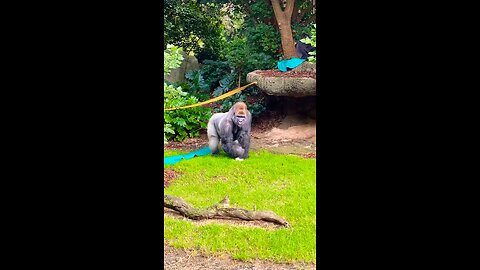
226,135
226,132
244,136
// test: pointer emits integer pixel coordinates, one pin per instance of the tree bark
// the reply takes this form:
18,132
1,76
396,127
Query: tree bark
284,19
220,210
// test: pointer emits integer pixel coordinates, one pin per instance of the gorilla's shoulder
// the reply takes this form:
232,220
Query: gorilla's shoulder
218,115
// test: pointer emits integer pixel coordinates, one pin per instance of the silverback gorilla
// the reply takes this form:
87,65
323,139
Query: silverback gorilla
232,129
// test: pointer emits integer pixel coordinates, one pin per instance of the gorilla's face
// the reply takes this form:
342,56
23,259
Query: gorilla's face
240,114
239,120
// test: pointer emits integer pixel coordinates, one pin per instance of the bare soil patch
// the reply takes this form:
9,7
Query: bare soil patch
168,175
266,121
309,155
273,131
184,259
294,134
190,143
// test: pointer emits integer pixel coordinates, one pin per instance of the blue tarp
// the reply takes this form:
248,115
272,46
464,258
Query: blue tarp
174,159
290,63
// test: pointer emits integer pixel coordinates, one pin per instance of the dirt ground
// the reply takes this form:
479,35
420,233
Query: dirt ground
179,259
287,134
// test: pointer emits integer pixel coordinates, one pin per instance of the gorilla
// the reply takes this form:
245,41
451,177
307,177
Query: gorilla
232,129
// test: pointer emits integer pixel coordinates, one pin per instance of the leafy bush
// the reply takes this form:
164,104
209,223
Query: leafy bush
172,59
263,38
196,85
226,84
191,25
224,76
312,40
244,58
214,71
182,123
255,108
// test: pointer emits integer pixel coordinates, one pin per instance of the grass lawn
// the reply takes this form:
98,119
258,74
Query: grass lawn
283,184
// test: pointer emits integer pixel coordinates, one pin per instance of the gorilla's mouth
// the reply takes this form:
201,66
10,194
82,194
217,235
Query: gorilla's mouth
240,119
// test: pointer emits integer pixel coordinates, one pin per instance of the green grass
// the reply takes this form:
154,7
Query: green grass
283,184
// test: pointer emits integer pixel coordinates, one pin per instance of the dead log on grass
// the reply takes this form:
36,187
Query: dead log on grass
220,210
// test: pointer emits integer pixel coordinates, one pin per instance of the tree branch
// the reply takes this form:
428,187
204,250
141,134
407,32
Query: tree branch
220,210
289,8
277,9
249,11
295,14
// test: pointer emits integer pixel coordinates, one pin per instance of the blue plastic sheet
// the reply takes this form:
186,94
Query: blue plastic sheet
175,159
290,63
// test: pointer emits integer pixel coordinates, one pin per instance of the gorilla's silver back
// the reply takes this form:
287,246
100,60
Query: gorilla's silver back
214,123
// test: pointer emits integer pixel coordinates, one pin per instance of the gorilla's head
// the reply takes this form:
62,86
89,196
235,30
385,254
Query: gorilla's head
239,113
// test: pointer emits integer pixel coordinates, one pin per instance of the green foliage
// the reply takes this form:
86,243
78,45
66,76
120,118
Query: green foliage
306,13
254,108
299,29
236,37
222,78
244,58
263,38
214,71
172,59
259,106
182,123
193,26
313,42
253,45
260,11
196,85
226,84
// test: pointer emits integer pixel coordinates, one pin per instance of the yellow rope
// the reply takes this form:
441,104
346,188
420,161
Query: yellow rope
233,92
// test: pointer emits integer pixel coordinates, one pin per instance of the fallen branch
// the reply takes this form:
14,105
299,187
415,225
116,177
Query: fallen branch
220,210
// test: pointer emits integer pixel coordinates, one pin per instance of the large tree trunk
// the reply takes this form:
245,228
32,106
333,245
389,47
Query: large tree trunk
284,19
